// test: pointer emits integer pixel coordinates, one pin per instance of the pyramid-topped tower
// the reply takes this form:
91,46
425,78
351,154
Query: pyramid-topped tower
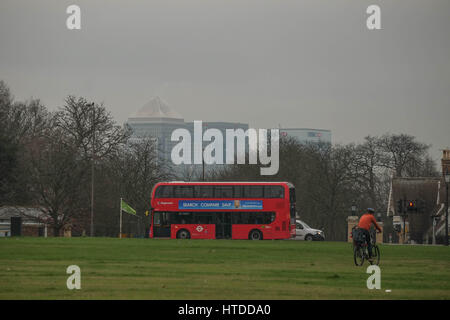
156,110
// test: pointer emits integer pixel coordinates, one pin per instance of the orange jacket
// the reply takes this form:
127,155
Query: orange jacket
366,220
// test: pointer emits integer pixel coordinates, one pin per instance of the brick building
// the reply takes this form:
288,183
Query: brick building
427,223
32,222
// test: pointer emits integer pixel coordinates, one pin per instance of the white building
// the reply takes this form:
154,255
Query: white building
307,135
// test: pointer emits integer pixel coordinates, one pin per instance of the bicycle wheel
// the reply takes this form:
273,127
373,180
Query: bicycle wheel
358,255
375,255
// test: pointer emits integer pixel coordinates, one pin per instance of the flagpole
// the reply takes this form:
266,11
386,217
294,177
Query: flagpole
120,231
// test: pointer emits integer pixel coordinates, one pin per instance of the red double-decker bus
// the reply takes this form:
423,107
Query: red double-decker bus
223,210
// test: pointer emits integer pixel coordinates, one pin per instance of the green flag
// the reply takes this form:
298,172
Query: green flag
125,207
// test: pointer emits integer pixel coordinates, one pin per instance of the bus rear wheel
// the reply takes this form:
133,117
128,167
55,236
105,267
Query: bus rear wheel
255,235
183,234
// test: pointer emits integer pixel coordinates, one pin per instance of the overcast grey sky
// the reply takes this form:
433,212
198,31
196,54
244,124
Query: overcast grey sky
295,63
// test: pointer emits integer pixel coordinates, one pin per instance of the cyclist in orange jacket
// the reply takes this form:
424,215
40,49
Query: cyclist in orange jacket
364,224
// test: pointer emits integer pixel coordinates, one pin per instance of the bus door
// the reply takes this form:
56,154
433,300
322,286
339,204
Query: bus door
161,225
223,225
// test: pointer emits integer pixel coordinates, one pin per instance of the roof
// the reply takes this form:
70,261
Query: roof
27,213
429,189
156,109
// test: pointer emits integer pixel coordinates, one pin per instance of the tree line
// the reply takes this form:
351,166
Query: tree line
49,159
331,179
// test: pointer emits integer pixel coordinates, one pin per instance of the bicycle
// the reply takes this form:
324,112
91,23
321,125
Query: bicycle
361,251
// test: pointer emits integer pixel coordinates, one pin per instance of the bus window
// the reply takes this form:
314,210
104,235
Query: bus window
253,217
236,218
186,217
157,218
161,218
175,218
204,191
183,192
273,192
223,192
238,192
244,217
253,191
164,192
204,218
257,217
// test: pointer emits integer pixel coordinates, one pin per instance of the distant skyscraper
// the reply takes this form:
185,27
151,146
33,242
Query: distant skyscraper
305,135
158,120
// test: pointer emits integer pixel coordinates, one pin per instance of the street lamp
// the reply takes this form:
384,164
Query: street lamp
203,163
92,167
447,181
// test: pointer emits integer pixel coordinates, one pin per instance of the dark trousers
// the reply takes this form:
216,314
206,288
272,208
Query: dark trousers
369,243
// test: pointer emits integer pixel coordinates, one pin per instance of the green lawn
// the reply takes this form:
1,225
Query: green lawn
35,268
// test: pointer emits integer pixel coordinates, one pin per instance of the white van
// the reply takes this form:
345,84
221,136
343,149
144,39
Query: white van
305,232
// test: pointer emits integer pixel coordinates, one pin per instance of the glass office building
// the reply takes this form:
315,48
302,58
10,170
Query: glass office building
158,120
306,135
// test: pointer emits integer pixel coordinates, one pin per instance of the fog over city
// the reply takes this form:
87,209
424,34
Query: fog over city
307,64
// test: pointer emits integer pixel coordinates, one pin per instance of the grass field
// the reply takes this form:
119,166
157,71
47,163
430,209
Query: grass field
35,268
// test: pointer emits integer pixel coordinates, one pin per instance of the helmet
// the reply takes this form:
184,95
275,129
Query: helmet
370,210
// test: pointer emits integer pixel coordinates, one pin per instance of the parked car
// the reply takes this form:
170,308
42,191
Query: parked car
305,232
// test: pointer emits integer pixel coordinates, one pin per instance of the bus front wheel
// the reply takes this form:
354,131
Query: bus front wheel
183,234
255,235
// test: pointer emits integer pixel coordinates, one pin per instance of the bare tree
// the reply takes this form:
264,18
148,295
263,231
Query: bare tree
8,147
21,123
329,173
91,127
94,133
139,168
402,151
130,175
55,174
369,172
